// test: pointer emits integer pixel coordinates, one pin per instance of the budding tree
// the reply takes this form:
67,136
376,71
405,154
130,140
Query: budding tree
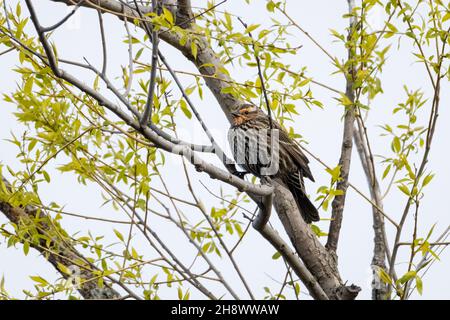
120,122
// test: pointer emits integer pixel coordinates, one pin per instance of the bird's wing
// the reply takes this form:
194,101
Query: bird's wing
293,149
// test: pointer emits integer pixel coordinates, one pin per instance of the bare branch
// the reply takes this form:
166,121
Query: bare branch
205,214
347,145
146,117
184,13
102,33
292,259
146,230
381,246
313,254
130,61
260,74
260,223
63,20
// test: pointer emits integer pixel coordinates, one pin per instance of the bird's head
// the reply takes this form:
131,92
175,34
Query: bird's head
245,113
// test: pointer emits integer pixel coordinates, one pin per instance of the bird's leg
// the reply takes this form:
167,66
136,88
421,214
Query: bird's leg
235,172
266,180
241,174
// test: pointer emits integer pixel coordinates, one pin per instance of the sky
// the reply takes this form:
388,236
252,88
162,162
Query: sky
321,128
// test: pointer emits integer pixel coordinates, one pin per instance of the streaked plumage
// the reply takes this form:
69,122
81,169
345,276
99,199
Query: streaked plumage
248,120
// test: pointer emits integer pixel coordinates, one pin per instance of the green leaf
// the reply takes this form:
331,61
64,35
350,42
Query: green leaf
185,109
251,28
64,269
396,145
46,176
430,232
168,15
26,247
194,49
427,179
41,281
270,6
118,235
276,255
407,276
138,54
335,173
32,144
419,285
386,171
297,288
446,17
345,100
404,189
384,276
239,230
28,85
228,23
206,247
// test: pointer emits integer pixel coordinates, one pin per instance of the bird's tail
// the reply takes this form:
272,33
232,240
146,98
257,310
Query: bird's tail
306,207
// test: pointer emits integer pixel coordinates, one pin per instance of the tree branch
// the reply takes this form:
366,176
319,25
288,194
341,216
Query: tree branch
58,252
63,20
347,145
185,17
381,247
260,223
146,117
315,256
159,141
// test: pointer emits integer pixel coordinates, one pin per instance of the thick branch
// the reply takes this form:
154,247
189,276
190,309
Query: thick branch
379,288
313,286
316,258
346,149
58,251
207,61
184,13
261,225
159,141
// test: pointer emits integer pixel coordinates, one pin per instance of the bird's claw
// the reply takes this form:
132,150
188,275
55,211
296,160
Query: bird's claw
266,180
240,174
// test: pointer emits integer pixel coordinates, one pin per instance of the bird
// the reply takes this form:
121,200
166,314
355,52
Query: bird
251,143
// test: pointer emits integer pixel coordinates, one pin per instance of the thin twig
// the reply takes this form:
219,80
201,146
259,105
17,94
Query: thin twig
146,117
260,74
102,33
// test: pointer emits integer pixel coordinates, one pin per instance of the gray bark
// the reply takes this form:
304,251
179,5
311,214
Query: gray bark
58,251
316,258
379,288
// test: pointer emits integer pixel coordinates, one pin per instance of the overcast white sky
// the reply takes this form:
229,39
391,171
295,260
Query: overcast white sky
321,128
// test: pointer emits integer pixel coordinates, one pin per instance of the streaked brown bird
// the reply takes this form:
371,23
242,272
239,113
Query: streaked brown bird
271,153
